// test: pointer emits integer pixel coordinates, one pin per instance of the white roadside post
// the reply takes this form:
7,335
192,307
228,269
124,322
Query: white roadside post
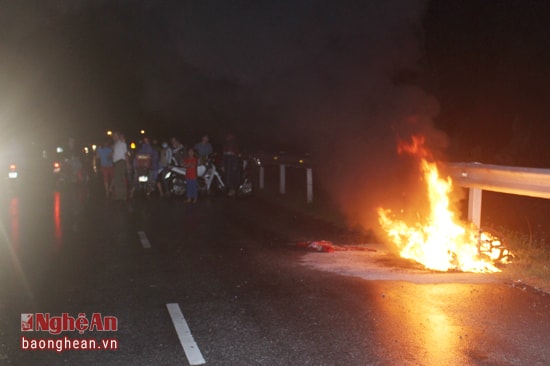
474,206
282,185
309,183
262,177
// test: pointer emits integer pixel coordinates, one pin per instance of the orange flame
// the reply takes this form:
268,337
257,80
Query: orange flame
440,241
415,147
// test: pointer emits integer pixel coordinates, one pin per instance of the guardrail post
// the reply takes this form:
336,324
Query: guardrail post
282,180
474,206
262,177
309,183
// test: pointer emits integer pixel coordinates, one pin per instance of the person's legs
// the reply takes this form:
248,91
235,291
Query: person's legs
107,179
233,174
188,190
192,190
119,180
159,184
110,173
226,170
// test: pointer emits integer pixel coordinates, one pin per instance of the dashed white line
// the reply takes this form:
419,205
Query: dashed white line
143,239
192,351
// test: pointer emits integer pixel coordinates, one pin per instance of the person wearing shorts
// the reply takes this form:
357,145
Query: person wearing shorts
105,155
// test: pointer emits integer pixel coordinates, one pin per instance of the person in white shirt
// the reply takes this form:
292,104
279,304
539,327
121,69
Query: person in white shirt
120,152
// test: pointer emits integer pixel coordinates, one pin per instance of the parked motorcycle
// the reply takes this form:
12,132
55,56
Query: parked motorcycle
174,179
145,184
69,171
246,187
209,179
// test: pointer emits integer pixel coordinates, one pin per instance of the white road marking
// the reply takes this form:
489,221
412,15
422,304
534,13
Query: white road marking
143,239
192,351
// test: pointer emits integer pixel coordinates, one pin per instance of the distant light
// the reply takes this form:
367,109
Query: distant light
142,132
12,174
133,145
275,158
94,147
56,165
109,133
59,149
86,150
300,161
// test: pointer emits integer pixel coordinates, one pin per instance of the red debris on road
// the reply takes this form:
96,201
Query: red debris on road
325,246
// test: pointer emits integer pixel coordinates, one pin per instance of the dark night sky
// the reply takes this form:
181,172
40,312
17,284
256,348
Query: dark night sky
257,66
339,79
219,64
489,66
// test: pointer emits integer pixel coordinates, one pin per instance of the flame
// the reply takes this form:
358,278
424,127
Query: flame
439,241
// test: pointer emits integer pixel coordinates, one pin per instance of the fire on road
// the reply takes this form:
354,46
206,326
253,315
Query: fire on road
246,295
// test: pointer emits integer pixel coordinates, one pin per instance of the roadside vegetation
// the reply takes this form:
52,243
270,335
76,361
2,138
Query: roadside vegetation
531,261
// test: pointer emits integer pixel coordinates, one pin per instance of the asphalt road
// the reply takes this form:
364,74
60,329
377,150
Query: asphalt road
241,289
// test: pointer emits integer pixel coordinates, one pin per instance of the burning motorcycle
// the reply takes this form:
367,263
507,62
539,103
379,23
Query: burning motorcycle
491,244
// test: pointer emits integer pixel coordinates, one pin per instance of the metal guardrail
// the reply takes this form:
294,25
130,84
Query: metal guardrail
284,161
532,182
305,161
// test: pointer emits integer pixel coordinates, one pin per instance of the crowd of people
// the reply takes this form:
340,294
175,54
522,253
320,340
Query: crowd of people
119,164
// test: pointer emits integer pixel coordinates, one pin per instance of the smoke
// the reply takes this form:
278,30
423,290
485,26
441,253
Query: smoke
341,80
354,99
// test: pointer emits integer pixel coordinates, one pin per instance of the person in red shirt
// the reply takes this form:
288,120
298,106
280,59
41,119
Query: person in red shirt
190,164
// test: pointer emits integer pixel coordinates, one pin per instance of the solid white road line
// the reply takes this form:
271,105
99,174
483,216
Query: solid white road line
143,239
192,351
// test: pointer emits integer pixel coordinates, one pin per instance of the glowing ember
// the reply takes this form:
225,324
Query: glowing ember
438,241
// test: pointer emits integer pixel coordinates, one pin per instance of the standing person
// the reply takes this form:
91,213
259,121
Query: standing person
231,164
178,151
105,156
120,153
204,149
190,164
164,161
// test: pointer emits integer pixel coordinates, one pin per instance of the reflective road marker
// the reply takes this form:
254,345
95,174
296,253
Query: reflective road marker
143,239
192,351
